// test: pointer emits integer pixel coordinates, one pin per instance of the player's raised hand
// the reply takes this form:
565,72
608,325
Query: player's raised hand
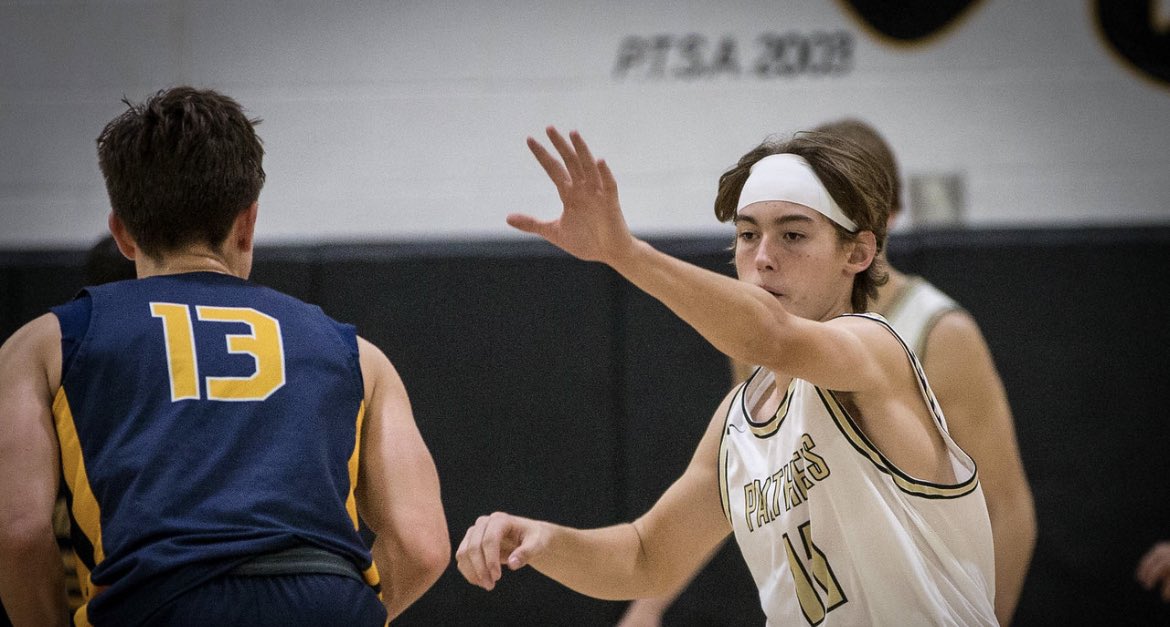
494,541
591,225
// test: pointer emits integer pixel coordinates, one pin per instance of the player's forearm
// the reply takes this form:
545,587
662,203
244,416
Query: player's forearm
733,316
1013,527
606,563
651,609
32,579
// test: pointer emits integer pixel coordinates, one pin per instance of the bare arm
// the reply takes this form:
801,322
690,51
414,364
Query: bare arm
647,557
32,578
962,373
398,489
741,320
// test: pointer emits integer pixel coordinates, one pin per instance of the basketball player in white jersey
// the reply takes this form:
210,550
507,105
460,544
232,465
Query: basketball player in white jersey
831,465
962,374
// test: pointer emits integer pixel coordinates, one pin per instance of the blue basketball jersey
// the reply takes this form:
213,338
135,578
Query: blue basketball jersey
203,420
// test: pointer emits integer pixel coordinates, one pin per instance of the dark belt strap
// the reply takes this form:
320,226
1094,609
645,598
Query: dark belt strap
299,560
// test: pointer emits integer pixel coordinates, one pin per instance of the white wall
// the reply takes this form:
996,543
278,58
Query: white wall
397,120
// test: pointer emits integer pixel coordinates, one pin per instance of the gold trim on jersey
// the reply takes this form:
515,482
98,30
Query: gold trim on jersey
724,499
769,427
906,483
353,464
370,574
923,387
857,438
81,617
85,509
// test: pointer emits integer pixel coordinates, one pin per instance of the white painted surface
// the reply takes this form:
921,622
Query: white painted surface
406,120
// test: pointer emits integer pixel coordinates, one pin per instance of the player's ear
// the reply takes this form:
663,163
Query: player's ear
244,229
122,237
863,249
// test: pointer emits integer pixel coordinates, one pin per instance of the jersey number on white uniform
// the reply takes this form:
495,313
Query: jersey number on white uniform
264,344
818,569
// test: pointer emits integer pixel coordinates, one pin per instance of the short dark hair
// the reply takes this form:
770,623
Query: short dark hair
859,186
180,168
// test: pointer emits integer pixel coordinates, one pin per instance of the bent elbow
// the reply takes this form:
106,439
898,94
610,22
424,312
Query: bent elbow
430,554
436,557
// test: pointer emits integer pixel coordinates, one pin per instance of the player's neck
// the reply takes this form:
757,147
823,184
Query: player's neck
192,260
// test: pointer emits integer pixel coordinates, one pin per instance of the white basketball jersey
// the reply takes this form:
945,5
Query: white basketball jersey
835,534
915,310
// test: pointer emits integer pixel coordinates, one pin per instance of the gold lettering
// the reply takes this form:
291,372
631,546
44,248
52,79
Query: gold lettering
817,467
803,483
777,494
794,493
763,516
749,502
766,499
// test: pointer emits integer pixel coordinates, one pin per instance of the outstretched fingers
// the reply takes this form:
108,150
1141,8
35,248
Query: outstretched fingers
608,182
588,164
529,224
568,154
552,166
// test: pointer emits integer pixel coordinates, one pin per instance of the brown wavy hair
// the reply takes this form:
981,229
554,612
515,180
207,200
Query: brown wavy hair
853,178
872,141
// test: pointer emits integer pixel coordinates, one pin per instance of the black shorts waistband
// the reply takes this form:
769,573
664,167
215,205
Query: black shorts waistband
299,560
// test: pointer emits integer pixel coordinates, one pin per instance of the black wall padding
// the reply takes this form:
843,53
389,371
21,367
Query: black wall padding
509,362
551,388
673,381
34,281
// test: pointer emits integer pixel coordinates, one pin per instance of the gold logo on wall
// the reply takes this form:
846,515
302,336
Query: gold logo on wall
1138,33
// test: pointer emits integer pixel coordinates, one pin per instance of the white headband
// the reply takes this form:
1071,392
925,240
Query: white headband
789,177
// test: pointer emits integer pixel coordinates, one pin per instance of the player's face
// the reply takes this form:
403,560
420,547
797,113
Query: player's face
794,253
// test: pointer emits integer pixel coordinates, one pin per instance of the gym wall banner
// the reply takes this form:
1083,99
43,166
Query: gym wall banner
1136,32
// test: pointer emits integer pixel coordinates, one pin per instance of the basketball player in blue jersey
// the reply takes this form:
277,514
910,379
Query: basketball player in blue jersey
963,376
219,440
831,465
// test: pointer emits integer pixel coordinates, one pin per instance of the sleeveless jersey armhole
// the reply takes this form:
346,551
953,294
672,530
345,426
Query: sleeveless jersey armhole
73,317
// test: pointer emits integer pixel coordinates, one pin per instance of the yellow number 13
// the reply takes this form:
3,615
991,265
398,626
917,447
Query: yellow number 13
264,344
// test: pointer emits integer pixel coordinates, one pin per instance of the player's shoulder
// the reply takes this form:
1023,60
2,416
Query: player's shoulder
40,337
867,325
956,329
40,328
374,361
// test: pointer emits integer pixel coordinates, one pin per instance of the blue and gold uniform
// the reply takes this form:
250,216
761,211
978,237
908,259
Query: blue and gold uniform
203,421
